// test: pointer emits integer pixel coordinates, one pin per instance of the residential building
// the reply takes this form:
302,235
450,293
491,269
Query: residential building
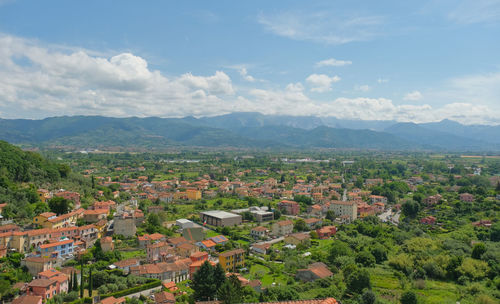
378,199
107,244
326,232
125,265
45,288
150,238
36,265
433,199
258,232
112,300
27,299
61,249
220,218
72,196
93,216
232,260
312,222
164,297
297,238
313,272
341,208
282,227
124,225
289,207
429,220
466,197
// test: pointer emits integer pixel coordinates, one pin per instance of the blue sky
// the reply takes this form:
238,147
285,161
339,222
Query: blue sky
403,60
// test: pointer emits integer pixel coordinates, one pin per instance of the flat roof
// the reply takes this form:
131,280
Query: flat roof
220,214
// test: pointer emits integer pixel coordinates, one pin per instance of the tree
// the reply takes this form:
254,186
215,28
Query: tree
300,225
358,280
379,252
81,279
93,181
70,283
230,291
368,297
409,297
478,250
410,209
90,282
330,215
59,205
206,281
75,281
495,232
337,249
277,214
365,258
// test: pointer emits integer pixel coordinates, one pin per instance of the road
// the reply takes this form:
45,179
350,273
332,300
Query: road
274,241
389,216
145,293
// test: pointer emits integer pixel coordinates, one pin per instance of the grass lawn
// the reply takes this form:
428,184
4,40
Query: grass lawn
388,287
211,233
262,273
133,254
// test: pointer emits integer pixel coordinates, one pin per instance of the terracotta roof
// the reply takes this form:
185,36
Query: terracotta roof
126,263
232,252
43,246
41,283
112,300
314,301
320,270
164,297
260,228
285,223
49,273
27,299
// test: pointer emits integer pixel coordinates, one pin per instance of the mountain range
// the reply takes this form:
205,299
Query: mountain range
247,130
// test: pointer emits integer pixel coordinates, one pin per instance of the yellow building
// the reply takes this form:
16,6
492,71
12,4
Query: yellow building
193,194
50,220
232,260
43,194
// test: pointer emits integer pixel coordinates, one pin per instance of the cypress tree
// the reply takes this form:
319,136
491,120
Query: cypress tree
75,281
70,282
90,282
81,280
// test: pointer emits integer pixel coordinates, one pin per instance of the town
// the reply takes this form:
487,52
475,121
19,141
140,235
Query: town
262,228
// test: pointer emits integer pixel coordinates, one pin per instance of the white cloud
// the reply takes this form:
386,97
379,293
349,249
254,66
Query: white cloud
42,80
476,11
362,88
413,96
324,27
332,62
244,73
382,80
321,83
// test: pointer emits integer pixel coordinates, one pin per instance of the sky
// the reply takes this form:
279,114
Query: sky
409,61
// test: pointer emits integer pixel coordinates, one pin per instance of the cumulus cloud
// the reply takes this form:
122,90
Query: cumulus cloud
42,80
382,80
332,62
413,96
244,73
38,78
321,83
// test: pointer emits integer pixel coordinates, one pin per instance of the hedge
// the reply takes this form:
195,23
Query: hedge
85,300
121,293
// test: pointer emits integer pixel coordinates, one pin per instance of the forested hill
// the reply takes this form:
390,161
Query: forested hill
21,173
243,130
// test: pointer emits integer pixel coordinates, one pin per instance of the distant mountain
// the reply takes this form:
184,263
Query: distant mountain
245,130
432,139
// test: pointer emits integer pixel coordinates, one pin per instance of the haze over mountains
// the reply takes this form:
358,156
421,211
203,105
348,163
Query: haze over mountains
248,130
